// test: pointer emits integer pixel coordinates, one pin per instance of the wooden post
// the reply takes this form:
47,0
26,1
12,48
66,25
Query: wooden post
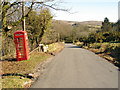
23,15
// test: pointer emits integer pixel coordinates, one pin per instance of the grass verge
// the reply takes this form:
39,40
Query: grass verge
14,72
109,51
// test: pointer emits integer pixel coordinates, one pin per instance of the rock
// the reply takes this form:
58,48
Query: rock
27,84
45,49
33,75
40,44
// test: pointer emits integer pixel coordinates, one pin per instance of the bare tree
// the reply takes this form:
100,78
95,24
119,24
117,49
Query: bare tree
9,8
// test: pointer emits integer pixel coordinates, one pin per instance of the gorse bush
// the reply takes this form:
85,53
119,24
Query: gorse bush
103,37
110,32
112,36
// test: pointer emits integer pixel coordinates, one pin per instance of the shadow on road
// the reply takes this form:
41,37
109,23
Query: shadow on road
118,69
72,47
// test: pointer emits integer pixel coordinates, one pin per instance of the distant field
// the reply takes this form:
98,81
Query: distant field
94,27
99,23
95,23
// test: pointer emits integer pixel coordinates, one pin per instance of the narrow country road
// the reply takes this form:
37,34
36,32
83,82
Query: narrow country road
78,68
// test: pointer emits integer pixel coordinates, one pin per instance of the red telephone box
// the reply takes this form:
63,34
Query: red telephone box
22,45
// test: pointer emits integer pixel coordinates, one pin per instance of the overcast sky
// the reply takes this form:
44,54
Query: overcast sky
85,10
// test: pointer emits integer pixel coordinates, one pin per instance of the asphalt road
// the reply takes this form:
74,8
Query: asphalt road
78,68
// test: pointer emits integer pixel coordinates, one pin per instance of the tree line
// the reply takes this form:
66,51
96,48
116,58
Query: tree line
70,32
110,32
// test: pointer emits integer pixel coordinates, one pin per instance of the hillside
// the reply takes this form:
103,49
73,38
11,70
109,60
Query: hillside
92,23
95,23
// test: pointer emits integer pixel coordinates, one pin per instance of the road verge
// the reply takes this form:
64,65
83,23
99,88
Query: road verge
109,51
22,74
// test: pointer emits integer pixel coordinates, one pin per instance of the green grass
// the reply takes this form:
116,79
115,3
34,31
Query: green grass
13,82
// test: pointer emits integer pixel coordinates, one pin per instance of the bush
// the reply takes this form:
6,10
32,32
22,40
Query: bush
100,37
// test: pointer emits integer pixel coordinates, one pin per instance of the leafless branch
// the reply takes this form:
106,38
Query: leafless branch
13,11
15,23
51,6
15,3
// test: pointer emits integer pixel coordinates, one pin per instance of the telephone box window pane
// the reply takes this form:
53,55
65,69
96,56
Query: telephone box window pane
21,49
19,39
